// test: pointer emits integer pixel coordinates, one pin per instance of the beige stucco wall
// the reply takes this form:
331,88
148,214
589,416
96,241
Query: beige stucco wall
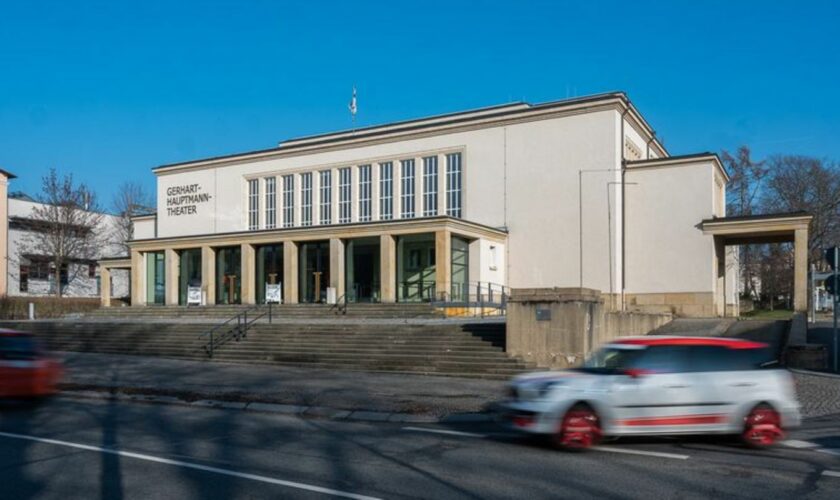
521,176
144,228
666,250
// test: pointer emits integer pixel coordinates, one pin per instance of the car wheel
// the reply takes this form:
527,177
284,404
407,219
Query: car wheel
579,429
762,427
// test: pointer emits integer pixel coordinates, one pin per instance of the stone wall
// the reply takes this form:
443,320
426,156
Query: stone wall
558,327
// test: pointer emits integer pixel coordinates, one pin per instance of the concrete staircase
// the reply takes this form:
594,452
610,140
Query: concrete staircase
284,311
419,347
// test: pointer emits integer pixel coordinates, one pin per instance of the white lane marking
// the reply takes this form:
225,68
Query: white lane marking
610,449
795,443
443,431
188,465
831,473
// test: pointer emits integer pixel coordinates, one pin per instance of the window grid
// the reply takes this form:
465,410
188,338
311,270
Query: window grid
270,202
386,191
345,197
453,185
288,200
365,188
253,204
306,199
430,178
326,197
407,191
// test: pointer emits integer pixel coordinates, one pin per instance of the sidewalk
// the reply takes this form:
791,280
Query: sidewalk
338,390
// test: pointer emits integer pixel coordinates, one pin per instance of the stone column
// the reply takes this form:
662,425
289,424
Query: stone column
800,271
388,268
172,260
138,279
337,265
443,263
208,274
105,286
249,281
290,272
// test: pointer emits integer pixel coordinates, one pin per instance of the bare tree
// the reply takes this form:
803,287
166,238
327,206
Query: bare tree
801,183
64,227
746,178
130,200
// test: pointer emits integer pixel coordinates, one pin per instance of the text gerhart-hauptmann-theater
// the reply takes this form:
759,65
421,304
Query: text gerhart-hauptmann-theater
572,193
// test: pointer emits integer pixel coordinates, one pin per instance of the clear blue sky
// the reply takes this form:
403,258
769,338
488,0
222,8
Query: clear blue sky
110,89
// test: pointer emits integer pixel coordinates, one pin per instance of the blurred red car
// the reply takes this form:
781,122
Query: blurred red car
26,369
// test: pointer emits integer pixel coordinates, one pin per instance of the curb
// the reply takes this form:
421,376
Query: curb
303,411
803,371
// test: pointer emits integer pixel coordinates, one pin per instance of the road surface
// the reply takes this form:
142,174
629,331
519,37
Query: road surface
77,448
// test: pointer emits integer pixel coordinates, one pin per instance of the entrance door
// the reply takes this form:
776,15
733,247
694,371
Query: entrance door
229,275
314,272
269,268
362,269
189,274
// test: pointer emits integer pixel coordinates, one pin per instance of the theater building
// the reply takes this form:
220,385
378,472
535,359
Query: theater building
573,193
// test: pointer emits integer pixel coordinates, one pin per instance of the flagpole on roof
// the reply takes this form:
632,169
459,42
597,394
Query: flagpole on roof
353,109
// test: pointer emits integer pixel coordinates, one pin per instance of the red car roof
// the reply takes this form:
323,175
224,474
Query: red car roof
692,341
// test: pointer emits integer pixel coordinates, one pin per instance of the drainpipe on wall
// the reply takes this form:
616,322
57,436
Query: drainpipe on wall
623,208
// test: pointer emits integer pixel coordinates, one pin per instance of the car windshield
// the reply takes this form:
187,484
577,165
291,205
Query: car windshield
18,347
612,359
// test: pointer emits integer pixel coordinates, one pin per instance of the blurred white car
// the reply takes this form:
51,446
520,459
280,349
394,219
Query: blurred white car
658,385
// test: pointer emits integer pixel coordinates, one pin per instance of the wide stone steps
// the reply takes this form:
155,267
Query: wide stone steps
452,349
373,311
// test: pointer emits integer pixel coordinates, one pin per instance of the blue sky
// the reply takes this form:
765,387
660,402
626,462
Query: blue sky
108,90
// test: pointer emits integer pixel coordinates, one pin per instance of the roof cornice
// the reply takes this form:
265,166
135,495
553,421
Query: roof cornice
438,125
680,161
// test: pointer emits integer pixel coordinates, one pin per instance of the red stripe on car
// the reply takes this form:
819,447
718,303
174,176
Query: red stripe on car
675,420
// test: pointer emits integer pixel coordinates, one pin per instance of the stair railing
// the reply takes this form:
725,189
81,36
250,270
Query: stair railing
234,328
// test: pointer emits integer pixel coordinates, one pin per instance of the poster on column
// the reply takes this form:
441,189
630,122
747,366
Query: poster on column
273,293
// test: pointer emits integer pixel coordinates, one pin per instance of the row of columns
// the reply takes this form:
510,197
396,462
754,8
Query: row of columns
387,270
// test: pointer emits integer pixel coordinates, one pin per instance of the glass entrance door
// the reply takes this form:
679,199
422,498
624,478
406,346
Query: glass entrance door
189,274
155,278
314,272
362,269
229,275
416,268
269,268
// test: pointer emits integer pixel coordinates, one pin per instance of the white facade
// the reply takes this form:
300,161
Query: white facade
555,177
32,264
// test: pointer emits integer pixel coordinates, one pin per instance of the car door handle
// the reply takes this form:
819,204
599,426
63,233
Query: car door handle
677,386
743,384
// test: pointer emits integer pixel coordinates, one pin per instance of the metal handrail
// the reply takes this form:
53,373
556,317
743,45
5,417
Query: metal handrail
237,332
480,295
338,305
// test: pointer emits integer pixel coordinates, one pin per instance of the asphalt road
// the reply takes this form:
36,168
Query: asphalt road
75,448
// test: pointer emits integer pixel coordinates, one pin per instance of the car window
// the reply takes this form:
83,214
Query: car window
720,358
612,359
18,347
663,359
